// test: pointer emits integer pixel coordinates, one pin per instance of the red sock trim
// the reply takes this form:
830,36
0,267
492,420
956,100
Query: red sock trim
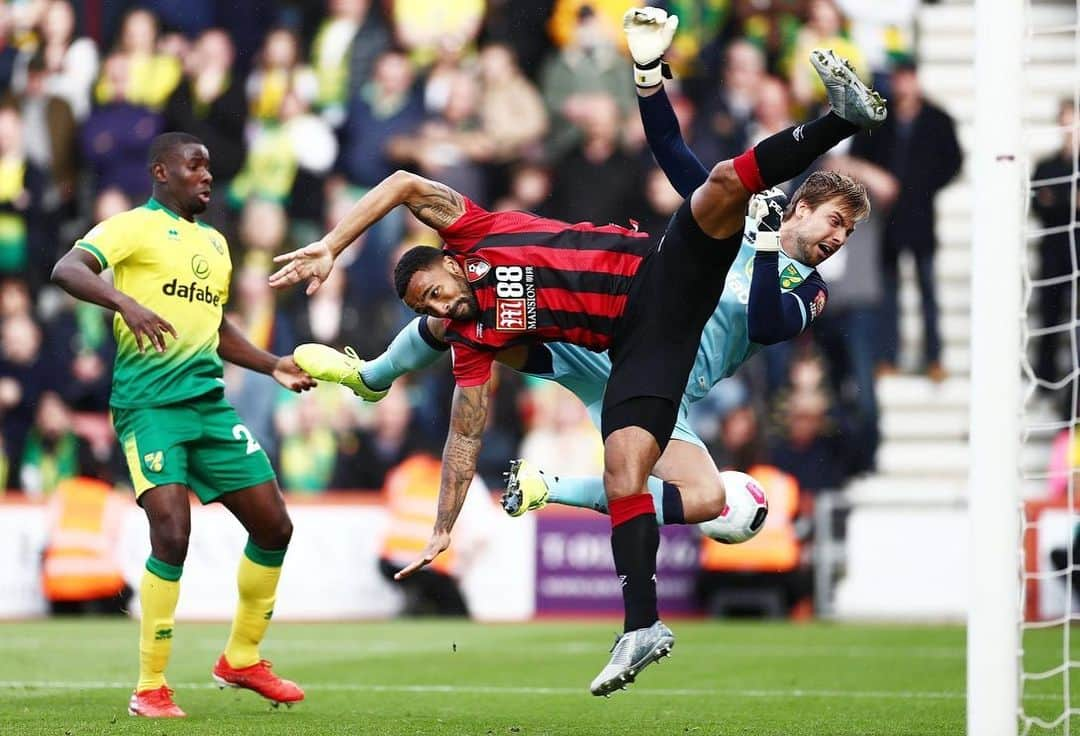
746,167
623,510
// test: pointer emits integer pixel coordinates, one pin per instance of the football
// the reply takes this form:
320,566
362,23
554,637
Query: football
745,512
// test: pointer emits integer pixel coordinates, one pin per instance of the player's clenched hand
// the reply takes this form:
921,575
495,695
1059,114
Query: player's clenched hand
436,546
291,376
312,262
648,33
145,323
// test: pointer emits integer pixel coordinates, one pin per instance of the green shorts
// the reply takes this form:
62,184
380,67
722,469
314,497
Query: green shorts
200,443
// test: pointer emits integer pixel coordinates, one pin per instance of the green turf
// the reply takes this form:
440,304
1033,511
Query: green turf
73,677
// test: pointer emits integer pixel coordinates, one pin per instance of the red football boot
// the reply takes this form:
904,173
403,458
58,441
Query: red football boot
157,703
260,678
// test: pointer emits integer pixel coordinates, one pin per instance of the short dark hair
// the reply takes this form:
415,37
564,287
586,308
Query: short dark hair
417,258
821,186
166,142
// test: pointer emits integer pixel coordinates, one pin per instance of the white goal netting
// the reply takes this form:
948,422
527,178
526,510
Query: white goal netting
1050,568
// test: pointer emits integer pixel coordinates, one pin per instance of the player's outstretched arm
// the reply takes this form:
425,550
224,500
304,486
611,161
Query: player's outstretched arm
234,347
468,417
648,34
434,204
77,274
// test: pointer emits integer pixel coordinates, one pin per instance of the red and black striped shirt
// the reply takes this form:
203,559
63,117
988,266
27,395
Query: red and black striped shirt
537,279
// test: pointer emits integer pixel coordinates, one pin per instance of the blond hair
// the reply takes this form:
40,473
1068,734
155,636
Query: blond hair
822,186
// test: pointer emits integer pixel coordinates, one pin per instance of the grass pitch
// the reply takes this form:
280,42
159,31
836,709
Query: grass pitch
73,677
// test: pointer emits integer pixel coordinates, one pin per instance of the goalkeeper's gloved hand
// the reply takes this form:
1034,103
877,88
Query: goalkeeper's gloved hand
768,209
648,34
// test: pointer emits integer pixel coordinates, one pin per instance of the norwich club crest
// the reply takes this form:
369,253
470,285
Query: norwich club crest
790,277
154,461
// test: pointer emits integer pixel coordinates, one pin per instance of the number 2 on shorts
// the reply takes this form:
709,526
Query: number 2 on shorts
240,432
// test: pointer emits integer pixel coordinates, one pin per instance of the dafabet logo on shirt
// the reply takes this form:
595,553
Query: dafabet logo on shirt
190,292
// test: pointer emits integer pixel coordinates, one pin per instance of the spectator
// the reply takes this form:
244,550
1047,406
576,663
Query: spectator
81,347
810,449
1055,209
24,376
115,139
922,170
343,54
27,234
367,454
71,63
847,331
824,29
511,108
279,72
14,297
722,125
308,446
513,23
772,26
661,202
210,103
701,22
451,147
332,317
286,161
530,189
151,75
566,29
772,111
9,54
561,438
588,65
410,493
427,30
597,181
52,449
884,32
387,106
49,133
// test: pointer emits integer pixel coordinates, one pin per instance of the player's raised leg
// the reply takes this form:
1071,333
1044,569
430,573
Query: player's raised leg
169,515
686,487
789,153
413,348
261,509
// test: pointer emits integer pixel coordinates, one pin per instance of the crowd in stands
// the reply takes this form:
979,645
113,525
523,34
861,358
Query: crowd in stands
517,104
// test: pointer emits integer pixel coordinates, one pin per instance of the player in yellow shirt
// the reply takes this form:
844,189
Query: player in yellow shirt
171,281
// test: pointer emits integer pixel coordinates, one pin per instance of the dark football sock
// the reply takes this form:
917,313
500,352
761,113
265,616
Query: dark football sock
635,538
789,153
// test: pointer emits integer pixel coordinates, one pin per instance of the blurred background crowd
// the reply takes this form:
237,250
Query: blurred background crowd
519,104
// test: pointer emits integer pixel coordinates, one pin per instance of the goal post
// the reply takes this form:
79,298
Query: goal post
997,169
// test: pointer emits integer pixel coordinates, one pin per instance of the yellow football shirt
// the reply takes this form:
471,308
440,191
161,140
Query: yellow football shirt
180,270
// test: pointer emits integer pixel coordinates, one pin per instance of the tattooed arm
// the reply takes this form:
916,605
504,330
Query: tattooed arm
467,420
434,204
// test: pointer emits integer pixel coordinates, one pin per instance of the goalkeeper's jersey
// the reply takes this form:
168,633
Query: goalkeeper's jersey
180,270
725,342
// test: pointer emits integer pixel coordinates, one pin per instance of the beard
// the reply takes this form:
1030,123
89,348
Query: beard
465,309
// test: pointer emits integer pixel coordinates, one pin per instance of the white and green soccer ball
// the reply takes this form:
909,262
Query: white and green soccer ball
745,512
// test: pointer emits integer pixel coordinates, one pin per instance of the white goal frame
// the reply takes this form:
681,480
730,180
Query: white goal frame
997,167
